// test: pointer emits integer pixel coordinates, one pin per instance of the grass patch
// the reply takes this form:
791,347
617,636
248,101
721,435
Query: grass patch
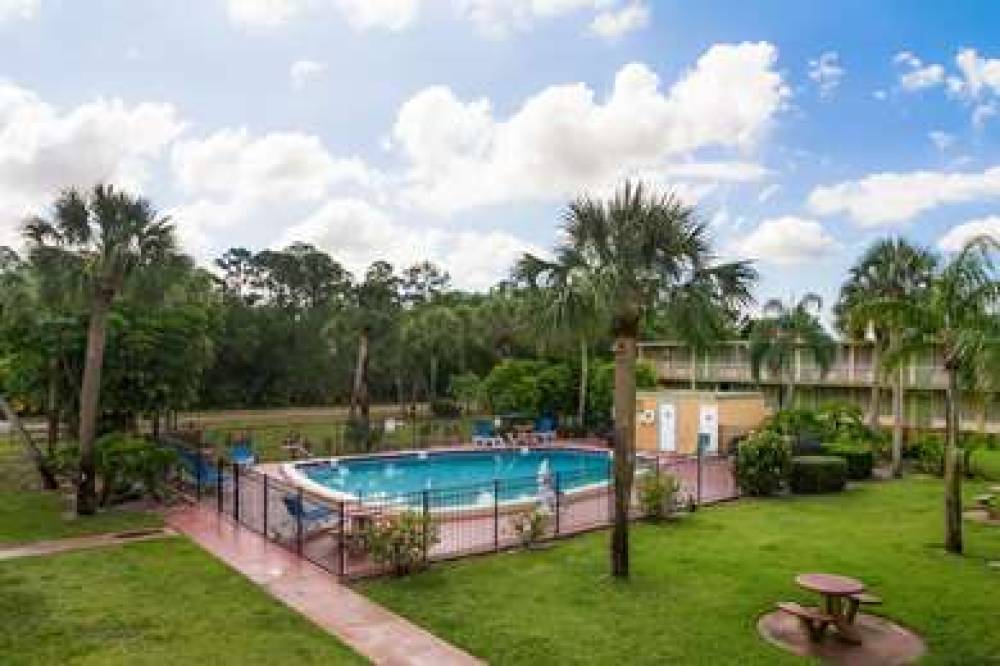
164,602
35,515
699,584
986,464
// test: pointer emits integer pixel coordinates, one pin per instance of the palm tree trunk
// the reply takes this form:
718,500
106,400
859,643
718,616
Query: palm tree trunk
624,450
49,481
432,389
876,400
897,415
581,407
952,477
90,394
361,386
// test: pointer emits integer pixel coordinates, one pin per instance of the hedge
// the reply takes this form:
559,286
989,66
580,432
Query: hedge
818,474
860,460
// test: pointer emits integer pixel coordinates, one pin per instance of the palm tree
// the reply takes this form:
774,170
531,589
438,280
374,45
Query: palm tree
783,332
635,252
568,311
891,273
958,317
114,234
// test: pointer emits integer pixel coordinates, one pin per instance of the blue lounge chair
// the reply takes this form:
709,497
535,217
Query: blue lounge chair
243,455
199,470
315,518
545,429
484,434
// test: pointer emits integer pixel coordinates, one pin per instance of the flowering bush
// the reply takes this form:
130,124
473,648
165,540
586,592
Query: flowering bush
401,542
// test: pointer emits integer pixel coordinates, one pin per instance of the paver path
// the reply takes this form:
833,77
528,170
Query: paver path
82,543
371,630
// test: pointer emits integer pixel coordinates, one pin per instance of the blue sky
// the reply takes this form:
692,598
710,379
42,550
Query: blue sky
456,129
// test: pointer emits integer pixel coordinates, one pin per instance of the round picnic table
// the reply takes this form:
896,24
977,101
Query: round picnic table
834,589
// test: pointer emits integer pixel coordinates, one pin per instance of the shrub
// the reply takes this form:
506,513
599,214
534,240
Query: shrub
859,458
530,526
928,452
128,467
818,474
762,461
447,409
529,386
401,542
658,495
601,385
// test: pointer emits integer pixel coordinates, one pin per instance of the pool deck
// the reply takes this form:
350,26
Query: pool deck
371,630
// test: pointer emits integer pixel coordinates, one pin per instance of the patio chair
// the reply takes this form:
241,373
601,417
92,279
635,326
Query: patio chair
484,434
242,455
316,518
545,429
199,470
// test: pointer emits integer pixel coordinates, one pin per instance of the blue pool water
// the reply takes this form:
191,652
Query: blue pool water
460,478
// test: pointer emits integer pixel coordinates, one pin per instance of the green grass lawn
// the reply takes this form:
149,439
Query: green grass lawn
699,584
35,515
986,464
162,602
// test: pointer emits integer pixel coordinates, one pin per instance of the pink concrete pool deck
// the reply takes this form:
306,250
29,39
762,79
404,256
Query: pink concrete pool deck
372,631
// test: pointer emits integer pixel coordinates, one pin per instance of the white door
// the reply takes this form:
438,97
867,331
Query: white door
708,424
668,427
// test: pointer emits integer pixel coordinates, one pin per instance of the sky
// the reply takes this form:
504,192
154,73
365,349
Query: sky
457,130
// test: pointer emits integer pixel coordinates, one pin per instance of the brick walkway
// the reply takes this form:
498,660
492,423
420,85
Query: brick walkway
82,543
381,636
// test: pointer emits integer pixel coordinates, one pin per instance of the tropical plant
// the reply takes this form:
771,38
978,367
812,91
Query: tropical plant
529,526
781,334
401,542
890,273
113,235
762,463
635,253
957,317
658,495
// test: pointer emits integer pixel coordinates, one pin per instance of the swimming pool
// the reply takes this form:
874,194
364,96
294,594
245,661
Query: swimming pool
455,478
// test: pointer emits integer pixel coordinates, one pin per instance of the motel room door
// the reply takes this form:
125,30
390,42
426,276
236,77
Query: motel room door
668,427
708,424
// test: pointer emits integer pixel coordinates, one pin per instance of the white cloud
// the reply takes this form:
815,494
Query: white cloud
979,75
892,198
740,172
44,149
983,112
786,241
918,76
563,140
612,24
302,72
280,165
499,18
941,140
357,233
826,73
360,14
11,10
386,14
956,237
768,193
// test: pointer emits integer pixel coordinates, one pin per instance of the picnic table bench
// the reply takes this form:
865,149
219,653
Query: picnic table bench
842,597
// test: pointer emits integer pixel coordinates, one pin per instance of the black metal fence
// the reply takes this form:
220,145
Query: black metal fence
466,520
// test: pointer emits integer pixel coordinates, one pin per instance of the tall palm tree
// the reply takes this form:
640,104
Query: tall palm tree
958,317
891,273
114,234
568,311
783,332
635,252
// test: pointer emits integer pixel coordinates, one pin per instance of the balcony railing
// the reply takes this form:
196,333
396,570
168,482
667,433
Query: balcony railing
926,377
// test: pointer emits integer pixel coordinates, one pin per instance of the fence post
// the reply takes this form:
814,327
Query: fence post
341,553
197,475
265,506
496,514
558,503
218,485
298,522
700,454
425,499
236,492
